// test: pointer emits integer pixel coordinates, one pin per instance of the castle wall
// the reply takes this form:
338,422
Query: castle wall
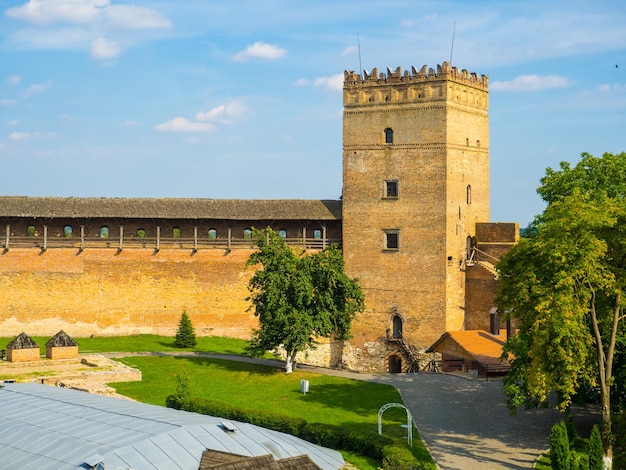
492,240
133,291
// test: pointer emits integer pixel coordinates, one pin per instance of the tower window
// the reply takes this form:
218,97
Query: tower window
390,189
468,195
389,135
391,240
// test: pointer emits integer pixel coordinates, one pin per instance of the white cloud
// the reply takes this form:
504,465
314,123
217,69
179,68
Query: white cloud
45,12
606,88
301,82
131,124
426,19
14,80
225,113
531,83
349,50
67,117
53,11
261,51
37,88
133,17
181,124
101,48
21,136
334,82
14,122
7,102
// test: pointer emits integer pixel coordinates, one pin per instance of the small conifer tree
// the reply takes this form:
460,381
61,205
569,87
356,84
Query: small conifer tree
559,447
185,335
596,452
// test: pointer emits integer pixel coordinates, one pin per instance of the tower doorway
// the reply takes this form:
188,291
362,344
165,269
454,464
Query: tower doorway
395,364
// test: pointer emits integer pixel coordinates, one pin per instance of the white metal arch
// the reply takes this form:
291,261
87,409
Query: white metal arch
409,420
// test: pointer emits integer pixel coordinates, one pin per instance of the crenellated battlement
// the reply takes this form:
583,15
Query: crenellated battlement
425,74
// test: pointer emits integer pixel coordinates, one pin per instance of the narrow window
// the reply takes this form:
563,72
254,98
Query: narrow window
30,231
397,327
468,191
176,232
104,232
212,234
389,135
390,189
317,234
141,233
67,231
247,233
282,233
392,240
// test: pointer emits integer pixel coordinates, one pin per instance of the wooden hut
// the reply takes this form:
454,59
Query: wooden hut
61,346
23,349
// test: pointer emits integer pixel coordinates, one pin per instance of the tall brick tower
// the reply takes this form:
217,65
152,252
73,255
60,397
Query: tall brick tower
415,182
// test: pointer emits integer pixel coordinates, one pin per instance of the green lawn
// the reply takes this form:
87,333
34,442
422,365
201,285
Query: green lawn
144,343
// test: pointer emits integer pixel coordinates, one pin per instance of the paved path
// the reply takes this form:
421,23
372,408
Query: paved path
464,423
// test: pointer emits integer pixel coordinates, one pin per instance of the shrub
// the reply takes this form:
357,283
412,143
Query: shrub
559,447
185,335
596,452
398,458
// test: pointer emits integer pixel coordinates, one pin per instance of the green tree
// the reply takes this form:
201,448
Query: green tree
299,297
185,335
560,457
596,452
563,284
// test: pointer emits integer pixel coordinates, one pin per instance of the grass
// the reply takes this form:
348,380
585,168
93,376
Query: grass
145,343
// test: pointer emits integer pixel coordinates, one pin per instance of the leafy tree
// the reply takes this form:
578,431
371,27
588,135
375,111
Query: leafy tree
596,452
299,297
560,457
185,335
563,284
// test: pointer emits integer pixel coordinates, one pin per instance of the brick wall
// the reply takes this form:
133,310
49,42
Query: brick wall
106,292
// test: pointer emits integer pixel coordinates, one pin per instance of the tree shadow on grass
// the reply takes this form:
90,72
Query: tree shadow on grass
231,366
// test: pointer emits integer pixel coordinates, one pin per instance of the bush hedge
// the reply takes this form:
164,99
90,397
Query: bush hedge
368,444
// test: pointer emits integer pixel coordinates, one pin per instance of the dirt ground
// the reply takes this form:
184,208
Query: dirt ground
88,372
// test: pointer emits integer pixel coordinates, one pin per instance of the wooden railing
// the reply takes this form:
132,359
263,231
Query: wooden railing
154,243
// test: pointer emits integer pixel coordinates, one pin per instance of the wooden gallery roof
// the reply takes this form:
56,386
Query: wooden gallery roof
169,208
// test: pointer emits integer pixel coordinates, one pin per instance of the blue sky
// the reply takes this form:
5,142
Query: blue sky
222,99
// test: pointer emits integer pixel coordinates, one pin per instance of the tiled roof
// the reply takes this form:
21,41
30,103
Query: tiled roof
481,345
170,208
61,340
22,341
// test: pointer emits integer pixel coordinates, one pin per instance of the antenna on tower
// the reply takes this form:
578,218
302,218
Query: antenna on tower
358,42
452,47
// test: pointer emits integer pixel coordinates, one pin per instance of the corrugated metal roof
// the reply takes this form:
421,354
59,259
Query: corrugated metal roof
46,427
169,208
